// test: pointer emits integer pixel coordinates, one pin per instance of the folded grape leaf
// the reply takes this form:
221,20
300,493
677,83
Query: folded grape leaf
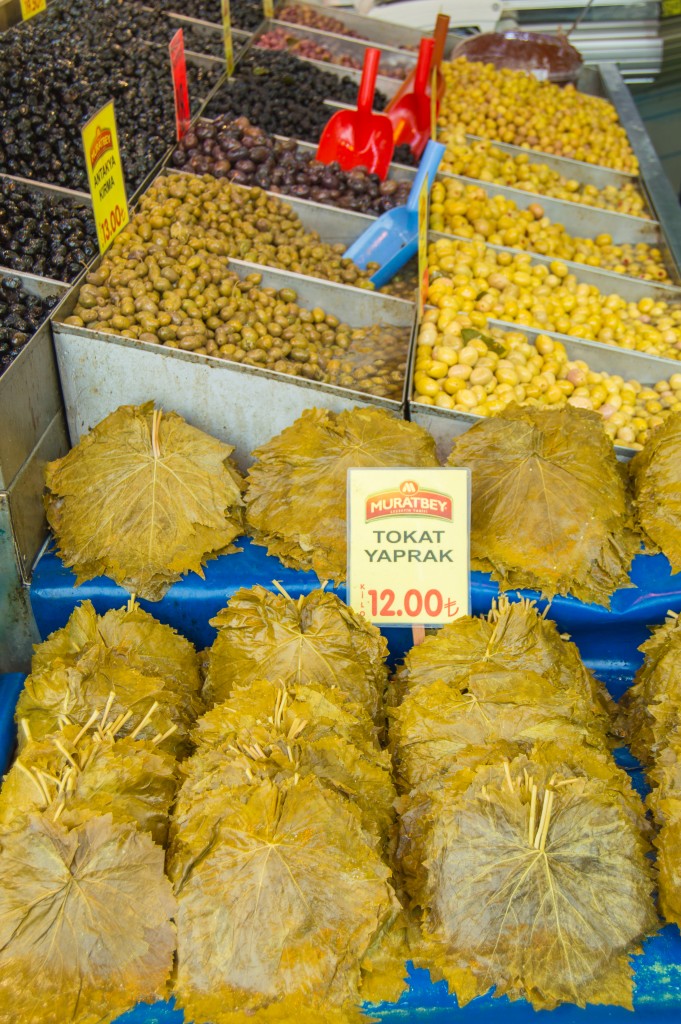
521,865
86,926
555,472
290,890
144,498
668,846
129,632
437,722
315,639
656,476
514,636
296,494
64,696
651,708
77,774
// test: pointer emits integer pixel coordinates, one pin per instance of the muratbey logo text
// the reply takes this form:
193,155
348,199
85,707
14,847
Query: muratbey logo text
103,142
409,500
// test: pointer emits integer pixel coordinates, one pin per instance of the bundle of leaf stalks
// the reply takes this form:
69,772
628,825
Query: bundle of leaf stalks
86,911
278,839
652,716
656,476
521,848
144,498
296,496
142,672
555,473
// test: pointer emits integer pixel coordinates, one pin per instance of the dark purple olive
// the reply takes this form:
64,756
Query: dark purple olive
247,166
220,168
259,154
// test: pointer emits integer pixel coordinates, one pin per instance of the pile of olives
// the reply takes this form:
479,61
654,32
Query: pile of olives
43,234
283,95
470,212
512,106
235,149
481,159
244,14
312,49
21,314
57,70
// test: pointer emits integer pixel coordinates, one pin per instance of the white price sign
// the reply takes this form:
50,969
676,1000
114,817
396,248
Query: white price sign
408,545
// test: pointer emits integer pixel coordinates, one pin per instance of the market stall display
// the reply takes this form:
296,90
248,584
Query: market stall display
481,370
296,489
43,232
509,791
57,71
469,211
515,107
555,471
245,154
545,293
534,172
144,498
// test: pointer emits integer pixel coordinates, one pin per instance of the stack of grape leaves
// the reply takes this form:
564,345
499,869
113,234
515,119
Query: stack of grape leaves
555,473
86,911
316,640
296,495
279,836
652,712
150,670
144,498
517,830
656,476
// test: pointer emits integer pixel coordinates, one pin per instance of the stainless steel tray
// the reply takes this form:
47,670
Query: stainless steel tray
30,396
240,404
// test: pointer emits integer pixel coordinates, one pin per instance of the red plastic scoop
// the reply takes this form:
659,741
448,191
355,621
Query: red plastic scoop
410,116
360,137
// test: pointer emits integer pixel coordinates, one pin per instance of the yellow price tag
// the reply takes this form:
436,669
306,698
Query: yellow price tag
409,545
268,8
227,33
31,7
423,247
105,174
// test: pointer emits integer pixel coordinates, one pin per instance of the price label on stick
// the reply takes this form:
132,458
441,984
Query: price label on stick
227,33
105,173
268,8
408,545
31,7
423,247
178,66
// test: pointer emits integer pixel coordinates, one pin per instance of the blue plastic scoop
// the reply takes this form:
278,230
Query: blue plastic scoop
393,239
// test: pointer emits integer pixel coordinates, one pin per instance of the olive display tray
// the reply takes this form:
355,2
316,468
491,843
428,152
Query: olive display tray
608,643
242,405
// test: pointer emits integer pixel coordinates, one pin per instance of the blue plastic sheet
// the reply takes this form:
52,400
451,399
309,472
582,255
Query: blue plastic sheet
608,639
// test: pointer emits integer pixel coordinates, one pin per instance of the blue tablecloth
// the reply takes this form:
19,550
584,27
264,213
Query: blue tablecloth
608,640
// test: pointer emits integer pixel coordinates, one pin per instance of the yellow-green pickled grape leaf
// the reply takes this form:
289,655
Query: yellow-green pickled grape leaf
514,635
250,704
656,476
548,505
384,971
651,708
280,739
129,632
315,639
86,927
296,496
144,498
545,904
284,894
78,774
437,722
55,698
668,846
